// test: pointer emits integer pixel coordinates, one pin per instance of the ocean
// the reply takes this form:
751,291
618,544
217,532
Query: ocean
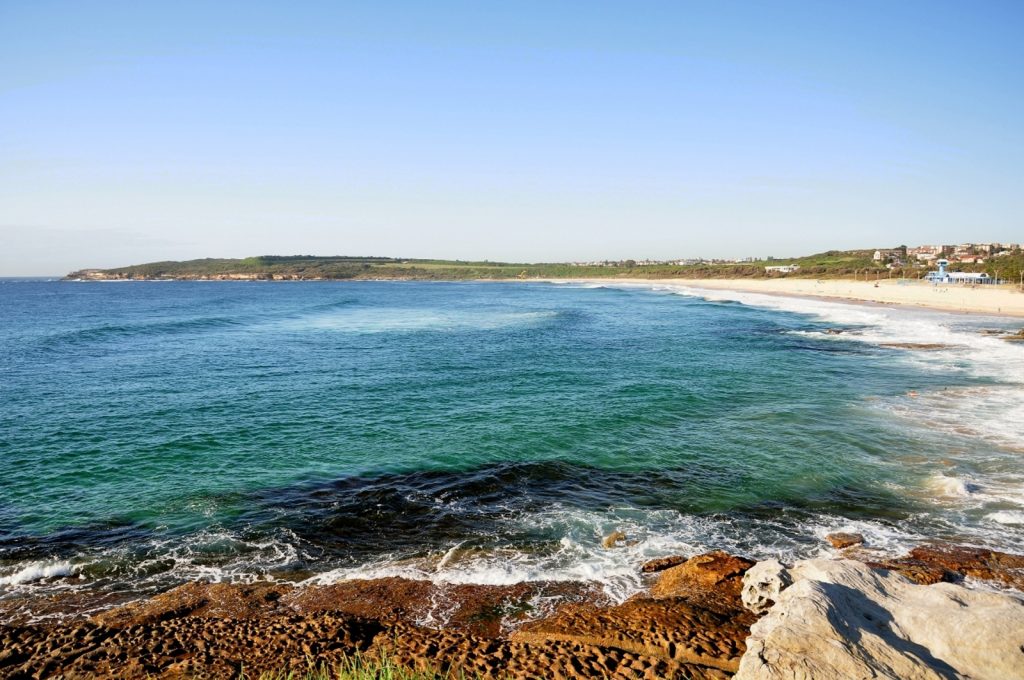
153,433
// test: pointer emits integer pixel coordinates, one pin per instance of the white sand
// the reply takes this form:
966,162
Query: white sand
982,299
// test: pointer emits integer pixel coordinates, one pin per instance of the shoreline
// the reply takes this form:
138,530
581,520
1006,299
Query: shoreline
982,300
696,618
986,300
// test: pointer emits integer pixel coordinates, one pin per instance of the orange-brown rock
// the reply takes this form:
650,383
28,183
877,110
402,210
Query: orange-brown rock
671,629
612,539
915,570
932,563
527,655
661,564
390,598
473,608
713,579
196,647
978,563
204,630
915,345
27,607
202,600
191,647
479,609
218,630
840,539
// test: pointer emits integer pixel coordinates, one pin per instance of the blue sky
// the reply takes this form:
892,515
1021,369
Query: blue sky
140,131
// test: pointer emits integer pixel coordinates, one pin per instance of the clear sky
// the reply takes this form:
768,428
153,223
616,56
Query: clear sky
139,131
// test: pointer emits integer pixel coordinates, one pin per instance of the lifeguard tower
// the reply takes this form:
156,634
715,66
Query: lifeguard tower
940,276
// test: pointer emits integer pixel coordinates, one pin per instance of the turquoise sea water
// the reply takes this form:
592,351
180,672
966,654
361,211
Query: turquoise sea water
157,432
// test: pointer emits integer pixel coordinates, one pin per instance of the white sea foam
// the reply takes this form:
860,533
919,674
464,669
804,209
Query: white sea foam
955,348
385,320
37,571
974,423
1007,516
578,555
575,552
951,486
991,412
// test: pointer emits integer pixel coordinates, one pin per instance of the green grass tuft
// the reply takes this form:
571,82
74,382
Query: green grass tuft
360,668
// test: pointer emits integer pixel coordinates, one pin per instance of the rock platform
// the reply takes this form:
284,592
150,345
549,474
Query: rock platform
872,618
219,630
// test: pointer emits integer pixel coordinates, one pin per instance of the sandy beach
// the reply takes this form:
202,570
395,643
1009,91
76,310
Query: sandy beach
1000,300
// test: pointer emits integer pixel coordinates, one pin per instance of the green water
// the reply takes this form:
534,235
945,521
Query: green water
154,432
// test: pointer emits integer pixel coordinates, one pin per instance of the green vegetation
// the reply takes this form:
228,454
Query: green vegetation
358,668
832,264
1007,267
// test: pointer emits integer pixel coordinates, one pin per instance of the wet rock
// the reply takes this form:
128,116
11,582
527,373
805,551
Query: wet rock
1008,335
203,600
946,562
917,571
479,609
611,539
66,605
714,578
978,563
841,619
662,563
762,584
842,539
925,346
384,599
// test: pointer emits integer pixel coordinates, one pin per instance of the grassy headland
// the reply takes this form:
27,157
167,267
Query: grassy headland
834,264
306,267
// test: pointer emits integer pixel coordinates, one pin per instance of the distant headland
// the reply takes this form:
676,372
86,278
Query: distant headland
1002,261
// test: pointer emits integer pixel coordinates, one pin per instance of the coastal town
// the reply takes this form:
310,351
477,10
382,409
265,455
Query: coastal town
965,253
900,256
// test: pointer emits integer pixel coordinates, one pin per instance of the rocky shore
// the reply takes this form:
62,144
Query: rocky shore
710,616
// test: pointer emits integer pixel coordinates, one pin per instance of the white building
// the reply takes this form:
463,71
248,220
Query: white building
944,276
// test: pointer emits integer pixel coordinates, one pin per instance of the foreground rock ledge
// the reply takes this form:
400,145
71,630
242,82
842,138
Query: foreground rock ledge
694,630
825,619
842,619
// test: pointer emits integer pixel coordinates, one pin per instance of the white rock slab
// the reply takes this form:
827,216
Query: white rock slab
842,619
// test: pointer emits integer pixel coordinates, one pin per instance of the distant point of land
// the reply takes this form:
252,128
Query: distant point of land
831,264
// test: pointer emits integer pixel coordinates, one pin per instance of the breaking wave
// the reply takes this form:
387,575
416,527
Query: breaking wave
359,438
37,571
